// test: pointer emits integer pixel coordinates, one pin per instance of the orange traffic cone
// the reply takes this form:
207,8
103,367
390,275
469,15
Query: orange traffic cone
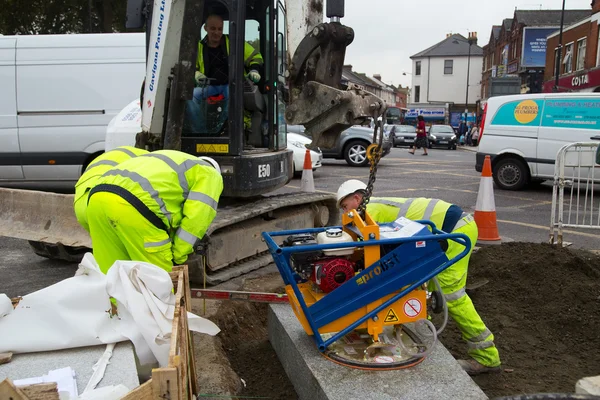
307,184
485,209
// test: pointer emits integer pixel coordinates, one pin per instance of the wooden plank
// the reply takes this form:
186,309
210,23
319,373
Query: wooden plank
176,317
165,384
142,392
5,358
9,391
42,391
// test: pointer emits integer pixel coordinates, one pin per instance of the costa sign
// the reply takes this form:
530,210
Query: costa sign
580,80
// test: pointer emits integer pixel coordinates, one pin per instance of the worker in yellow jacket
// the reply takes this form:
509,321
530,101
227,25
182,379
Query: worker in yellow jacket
153,208
449,218
94,170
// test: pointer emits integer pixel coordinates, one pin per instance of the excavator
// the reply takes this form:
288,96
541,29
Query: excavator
301,84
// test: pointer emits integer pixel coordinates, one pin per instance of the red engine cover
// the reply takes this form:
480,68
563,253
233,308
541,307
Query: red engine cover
331,273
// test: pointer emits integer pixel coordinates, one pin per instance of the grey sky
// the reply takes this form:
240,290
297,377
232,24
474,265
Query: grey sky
388,32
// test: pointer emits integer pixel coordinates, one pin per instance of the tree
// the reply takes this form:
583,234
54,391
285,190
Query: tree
29,17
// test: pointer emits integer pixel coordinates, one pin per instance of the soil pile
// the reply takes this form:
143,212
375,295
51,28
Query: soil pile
542,305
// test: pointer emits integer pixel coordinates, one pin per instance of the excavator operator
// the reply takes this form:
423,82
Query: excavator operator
450,218
212,78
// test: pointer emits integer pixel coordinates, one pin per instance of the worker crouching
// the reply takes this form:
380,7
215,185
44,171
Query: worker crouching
153,208
449,218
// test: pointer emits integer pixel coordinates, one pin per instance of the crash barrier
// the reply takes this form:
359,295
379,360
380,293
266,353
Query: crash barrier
574,203
176,381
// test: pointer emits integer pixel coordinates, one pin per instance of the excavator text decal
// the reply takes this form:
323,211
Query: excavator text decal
157,43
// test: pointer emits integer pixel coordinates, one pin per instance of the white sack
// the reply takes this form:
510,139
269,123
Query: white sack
74,312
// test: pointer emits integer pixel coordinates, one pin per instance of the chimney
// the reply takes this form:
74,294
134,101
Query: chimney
473,37
377,76
448,35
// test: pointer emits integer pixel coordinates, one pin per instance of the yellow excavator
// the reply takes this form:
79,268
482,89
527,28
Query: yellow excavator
301,84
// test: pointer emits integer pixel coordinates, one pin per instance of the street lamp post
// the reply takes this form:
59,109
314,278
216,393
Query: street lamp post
560,46
472,39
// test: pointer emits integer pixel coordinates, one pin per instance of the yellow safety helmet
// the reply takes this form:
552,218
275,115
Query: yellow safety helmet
349,187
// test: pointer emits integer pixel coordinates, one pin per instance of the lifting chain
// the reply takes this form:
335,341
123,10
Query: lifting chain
374,153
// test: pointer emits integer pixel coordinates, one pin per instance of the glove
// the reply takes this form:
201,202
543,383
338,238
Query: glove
199,77
254,76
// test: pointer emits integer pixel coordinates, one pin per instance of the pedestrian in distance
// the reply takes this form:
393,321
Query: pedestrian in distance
449,218
421,139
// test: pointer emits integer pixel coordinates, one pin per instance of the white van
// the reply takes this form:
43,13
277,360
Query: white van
59,92
523,133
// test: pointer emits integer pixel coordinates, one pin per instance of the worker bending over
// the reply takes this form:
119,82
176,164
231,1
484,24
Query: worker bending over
449,218
153,208
94,170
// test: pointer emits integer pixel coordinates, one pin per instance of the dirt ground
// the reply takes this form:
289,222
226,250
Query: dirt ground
541,303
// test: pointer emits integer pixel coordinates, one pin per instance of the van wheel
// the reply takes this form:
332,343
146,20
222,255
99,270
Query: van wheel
510,174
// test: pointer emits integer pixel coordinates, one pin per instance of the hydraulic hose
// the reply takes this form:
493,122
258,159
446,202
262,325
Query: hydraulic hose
429,349
444,305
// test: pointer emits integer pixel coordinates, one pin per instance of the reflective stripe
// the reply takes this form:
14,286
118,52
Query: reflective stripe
402,207
206,199
480,345
187,237
127,151
146,185
175,167
429,209
102,162
481,337
466,219
157,244
456,295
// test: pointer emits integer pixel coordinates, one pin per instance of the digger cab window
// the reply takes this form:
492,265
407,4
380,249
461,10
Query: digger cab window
208,112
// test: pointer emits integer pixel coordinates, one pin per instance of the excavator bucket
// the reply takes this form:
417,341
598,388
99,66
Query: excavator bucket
43,217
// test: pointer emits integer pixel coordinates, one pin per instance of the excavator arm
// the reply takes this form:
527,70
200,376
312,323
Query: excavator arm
317,100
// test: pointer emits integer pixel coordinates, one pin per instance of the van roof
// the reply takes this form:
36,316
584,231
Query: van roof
518,97
78,40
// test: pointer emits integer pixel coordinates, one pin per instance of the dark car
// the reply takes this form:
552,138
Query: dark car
351,145
403,135
442,136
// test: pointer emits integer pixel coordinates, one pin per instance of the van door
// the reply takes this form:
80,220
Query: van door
10,161
69,88
565,119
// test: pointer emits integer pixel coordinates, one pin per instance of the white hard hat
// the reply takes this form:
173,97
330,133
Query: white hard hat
347,188
212,162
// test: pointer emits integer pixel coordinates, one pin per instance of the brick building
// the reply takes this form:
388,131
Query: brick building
517,49
580,59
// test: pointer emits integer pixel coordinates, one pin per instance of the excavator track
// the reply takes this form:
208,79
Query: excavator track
232,246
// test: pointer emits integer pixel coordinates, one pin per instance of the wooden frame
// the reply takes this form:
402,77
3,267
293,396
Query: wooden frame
176,381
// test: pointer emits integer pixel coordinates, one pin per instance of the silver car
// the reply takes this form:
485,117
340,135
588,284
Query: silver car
403,135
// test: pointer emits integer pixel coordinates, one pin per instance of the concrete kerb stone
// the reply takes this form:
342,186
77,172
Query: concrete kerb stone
314,377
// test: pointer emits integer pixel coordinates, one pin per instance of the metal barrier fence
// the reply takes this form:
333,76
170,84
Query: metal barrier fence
573,202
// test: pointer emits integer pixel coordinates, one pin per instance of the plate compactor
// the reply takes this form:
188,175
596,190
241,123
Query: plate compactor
361,289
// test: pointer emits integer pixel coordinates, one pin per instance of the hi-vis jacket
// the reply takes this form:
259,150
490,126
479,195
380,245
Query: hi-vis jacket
251,55
94,170
389,209
181,190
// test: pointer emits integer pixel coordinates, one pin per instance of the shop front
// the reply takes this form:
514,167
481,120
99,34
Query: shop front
583,81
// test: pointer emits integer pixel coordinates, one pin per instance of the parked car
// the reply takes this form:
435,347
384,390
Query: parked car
351,145
297,143
403,135
442,136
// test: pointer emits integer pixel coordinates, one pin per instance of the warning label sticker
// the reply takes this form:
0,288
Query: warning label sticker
391,316
412,307
212,148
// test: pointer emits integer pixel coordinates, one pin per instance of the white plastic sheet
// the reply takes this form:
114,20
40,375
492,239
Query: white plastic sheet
75,312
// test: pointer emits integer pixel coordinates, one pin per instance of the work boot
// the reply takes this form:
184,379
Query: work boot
472,367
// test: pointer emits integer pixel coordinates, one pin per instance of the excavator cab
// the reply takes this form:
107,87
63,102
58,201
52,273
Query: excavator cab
238,122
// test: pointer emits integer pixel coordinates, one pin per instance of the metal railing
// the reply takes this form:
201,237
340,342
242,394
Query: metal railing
574,203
